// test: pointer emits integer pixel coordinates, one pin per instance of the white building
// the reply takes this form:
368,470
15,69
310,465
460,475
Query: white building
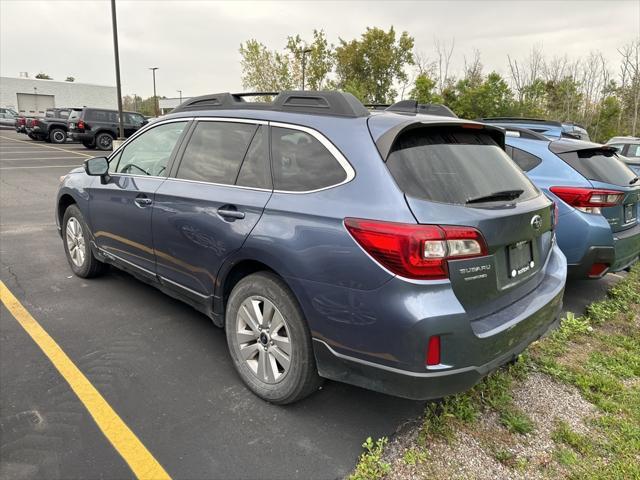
31,96
167,104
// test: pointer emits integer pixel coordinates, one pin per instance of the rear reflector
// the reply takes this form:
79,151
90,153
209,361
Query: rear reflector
598,269
588,200
416,251
433,351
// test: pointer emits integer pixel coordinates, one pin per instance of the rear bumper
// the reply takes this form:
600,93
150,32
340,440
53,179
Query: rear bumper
383,348
594,255
80,136
627,248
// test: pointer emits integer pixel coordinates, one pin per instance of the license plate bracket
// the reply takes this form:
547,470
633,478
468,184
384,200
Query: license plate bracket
520,258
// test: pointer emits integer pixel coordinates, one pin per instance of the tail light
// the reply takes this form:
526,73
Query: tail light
34,122
80,125
416,251
433,351
588,200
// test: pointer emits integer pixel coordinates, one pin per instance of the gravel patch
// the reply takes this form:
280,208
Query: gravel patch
475,450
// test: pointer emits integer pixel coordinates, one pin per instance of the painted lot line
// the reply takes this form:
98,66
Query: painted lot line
134,453
46,146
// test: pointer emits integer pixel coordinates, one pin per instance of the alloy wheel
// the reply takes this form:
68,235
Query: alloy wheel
75,242
263,339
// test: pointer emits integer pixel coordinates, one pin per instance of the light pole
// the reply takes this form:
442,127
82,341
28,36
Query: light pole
114,22
35,92
180,92
304,63
155,97
135,102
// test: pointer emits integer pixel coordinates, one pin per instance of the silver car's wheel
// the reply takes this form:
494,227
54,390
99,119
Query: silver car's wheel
263,339
75,242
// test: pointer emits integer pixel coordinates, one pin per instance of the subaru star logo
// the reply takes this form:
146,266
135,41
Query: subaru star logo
536,222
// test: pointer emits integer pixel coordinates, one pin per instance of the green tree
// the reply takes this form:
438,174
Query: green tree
43,76
369,66
264,70
424,90
319,60
488,96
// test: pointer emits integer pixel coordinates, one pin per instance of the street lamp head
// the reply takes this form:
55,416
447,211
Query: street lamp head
154,68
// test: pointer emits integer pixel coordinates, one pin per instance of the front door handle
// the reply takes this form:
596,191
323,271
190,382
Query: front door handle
229,211
143,201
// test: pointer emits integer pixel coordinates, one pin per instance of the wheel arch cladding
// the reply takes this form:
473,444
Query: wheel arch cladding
64,202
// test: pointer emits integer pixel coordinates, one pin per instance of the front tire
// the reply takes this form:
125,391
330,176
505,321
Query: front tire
75,236
269,340
58,135
104,141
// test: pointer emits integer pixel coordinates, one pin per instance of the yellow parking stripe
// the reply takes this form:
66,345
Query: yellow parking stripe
143,464
46,146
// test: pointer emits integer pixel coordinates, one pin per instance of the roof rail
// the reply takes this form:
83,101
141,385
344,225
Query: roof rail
338,104
411,106
519,120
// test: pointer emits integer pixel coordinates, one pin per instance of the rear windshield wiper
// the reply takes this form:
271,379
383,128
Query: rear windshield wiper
496,196
634,180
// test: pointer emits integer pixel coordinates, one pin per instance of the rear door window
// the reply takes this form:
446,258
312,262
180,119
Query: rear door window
215,152
255,170
301,163
454,166
600,165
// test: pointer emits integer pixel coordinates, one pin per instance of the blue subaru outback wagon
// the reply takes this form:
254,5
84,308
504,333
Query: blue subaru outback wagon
401,252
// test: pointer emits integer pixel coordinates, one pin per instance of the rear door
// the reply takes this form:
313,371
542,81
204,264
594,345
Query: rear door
211,202
452,175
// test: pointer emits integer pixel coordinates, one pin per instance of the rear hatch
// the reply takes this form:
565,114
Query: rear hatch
607,173
458,174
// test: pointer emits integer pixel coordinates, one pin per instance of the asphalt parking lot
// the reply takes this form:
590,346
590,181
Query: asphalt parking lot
160,365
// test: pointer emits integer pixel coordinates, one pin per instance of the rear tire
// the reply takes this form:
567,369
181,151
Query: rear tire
75,237
89,145
104,141
269,340
58,135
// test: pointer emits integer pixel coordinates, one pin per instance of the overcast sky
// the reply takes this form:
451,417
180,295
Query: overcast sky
195,43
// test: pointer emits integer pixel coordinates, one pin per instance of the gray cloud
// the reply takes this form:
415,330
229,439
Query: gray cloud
195,43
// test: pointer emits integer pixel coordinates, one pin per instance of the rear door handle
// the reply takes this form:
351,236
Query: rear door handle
143,201
229,211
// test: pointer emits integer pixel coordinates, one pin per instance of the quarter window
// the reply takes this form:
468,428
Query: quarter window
149,153
215,151
525,160
301,162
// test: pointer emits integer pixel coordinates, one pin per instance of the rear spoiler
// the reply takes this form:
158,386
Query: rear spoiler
386,140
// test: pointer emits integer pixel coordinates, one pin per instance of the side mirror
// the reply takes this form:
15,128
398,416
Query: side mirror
97,166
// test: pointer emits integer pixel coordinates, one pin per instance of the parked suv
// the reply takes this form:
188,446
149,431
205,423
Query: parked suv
629,150
401,252
548,128
52,127
597,195
97,127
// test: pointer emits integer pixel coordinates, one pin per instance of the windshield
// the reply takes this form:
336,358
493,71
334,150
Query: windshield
600,165
456,166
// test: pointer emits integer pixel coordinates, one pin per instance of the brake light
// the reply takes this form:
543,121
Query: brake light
588,200
34,122
80,125
433,351
416,251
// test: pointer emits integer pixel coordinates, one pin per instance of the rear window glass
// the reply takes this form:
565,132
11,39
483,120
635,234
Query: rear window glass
74,114
600,165
633,150
454,166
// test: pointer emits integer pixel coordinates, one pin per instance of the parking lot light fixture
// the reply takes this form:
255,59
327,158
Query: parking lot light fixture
155,97
114,22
